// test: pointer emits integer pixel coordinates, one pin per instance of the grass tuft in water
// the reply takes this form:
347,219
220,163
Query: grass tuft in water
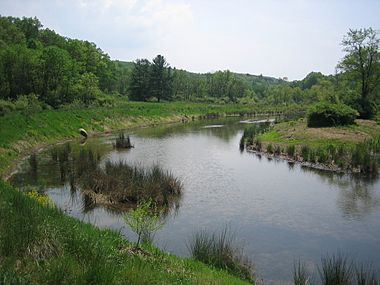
123,141
336,270
220,251
365,275
300,274
123,183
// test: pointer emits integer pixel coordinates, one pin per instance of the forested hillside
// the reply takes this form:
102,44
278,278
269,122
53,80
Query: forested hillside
41,69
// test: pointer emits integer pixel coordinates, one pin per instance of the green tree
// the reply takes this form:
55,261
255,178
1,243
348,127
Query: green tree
55,70
140,86
144,220
362,62
161,78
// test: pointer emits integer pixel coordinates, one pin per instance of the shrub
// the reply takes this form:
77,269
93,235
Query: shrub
6,107
144,220
326,114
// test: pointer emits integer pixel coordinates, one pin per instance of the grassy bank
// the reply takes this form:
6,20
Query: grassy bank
41,245
19,132
354,147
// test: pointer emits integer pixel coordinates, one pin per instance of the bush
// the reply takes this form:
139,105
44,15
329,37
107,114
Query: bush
6,107
28,104
325,114
367,109
144,221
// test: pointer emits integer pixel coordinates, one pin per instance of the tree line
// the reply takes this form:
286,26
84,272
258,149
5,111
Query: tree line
57,70
36,63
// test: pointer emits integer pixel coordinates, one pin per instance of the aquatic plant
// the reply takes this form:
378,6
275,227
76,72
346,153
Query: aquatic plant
252,131
291,150
336,270
300,274
305,152
220,251
123,141
123,183
365,275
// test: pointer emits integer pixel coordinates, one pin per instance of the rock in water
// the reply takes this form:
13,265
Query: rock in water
83,132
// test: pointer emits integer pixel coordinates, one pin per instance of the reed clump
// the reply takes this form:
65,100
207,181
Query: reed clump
336,270
123,183
219,250
123,141
300,274
251,132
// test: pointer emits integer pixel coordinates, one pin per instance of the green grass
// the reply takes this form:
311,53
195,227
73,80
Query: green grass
354,147
41,245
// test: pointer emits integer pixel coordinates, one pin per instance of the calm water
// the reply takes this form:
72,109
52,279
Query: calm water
279,212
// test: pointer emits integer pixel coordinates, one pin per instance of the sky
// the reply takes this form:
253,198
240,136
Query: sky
279,38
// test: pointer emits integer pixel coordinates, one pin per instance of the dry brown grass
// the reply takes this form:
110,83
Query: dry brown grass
299,131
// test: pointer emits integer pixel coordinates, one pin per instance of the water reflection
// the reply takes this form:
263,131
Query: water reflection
115,186
357,194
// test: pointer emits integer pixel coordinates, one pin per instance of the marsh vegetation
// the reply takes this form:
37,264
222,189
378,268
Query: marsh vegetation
221,250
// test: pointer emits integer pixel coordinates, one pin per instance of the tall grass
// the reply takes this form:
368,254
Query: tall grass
300,274
336,270
251,132
123,183
365,275
220,251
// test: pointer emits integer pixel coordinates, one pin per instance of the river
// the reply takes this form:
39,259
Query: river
279,212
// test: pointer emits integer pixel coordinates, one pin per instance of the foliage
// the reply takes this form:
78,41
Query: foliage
40,198
324,114
362,63
151,80
219,250
58,70
144,221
